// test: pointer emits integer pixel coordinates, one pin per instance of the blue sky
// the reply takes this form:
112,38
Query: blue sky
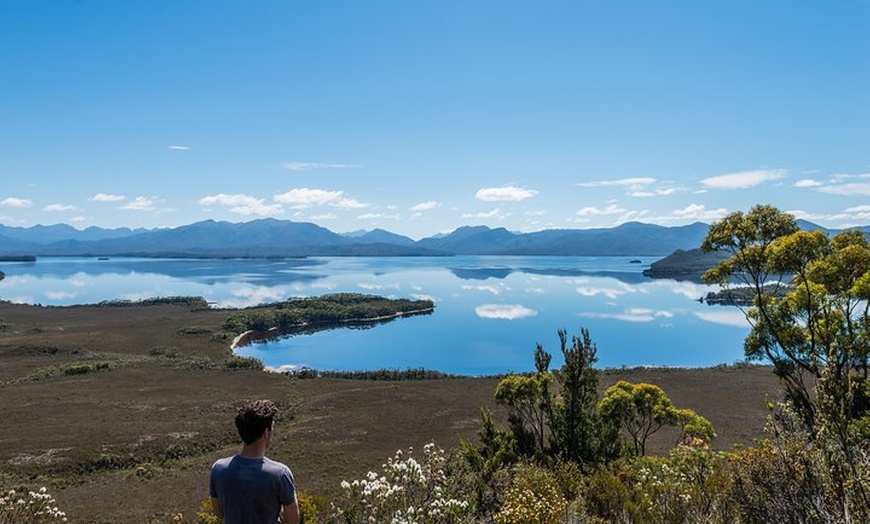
420,117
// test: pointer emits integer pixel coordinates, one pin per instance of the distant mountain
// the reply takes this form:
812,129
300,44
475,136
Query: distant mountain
691,264
14,246
472,240
270,237
40,234
381,236
631,238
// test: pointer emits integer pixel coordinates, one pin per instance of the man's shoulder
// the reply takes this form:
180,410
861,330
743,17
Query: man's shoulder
275,465
222,463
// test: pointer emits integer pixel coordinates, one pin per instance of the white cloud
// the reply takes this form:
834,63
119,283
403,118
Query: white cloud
632,315
245,205
847,185
103,197
699,212
349,203
179,148
592,211
426,206
16,202
733,318
56,208
303,197
140,203
252,296
654,192
59,295
850,217
504,194
371,216
743,179
807,182
504,312
851,189
495,213
634,182
306,166
495,290
843,177
587,291
325,216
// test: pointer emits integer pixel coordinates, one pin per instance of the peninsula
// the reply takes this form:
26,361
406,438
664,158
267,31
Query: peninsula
311,314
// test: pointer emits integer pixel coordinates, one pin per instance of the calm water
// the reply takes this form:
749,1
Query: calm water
490,311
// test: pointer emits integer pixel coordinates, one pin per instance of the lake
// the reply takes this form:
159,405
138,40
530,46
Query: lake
490,311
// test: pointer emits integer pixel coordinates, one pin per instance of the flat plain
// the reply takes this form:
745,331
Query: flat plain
120,410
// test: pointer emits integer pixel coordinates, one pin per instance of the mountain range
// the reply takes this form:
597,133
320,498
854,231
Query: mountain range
283,238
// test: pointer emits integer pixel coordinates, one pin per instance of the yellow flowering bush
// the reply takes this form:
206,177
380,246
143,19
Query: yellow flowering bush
533,498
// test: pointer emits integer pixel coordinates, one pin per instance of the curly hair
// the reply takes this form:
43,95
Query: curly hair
254,418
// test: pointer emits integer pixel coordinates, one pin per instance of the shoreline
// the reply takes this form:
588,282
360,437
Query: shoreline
248,337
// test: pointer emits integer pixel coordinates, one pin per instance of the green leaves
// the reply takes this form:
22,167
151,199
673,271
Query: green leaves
643,409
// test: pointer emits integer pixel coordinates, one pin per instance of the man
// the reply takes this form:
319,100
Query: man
250,488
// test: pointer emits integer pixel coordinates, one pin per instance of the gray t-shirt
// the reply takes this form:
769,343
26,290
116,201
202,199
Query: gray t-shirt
251,491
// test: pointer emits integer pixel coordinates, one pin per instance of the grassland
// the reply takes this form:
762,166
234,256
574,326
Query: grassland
120,410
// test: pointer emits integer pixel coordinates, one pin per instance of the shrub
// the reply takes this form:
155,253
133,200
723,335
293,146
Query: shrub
236,362
406,491
533,497
82,368
34,507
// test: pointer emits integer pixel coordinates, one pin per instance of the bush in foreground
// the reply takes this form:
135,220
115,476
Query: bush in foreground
32,507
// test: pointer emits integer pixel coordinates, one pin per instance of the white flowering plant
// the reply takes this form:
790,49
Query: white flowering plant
406,491
29,507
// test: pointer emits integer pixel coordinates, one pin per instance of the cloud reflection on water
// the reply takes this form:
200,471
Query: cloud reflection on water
504,311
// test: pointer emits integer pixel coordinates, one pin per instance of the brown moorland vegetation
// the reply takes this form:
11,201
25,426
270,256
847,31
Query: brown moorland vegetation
120,410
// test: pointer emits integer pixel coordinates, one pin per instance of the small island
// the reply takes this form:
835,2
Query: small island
17,258
743,296
311,314
684,265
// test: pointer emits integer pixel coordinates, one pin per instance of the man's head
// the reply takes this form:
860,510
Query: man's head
254,418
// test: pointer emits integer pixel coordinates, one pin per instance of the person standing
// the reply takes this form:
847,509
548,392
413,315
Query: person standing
250,488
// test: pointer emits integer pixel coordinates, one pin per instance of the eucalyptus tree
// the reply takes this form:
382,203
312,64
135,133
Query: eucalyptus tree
816,334
643,409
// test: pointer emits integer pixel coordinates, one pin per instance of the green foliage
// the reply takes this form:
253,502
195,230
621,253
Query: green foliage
818,334
527,398
487,462
576,430
374,374
643,409
237,362
194,330
311,507
82,368
533,497
324,310
206,514
193,303
818,338
796,477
